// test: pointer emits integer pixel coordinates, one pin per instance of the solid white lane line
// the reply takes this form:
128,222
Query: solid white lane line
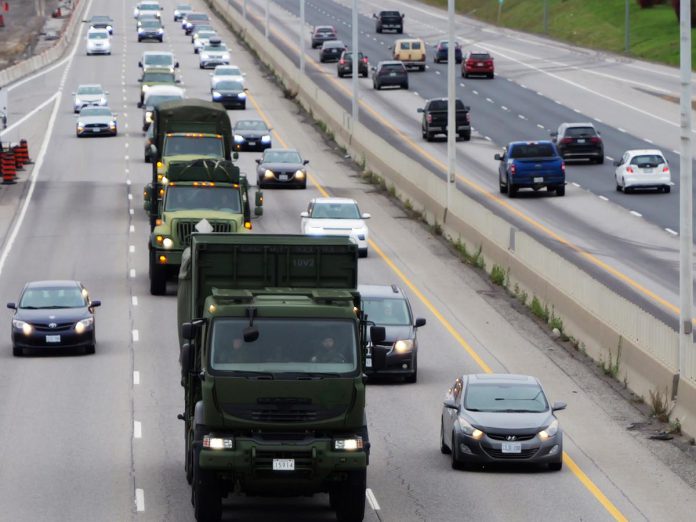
136,377
139,500
604,198
637,214
131,248
372,499
621,130
136,336
134,300
137,430
132,272
674,233
575,184
131,228
29,115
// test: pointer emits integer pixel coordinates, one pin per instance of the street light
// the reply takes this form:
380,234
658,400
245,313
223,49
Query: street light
354,106
451,105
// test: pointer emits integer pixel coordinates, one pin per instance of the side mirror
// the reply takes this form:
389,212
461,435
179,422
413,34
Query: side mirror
305,162
365,215
557,406
106,92
12,306
140,105
374,15
420,109
498,157
246,90
450,404
258,161
176,65
403,16
251,334
553,134
304,214
95,304
73,93
210,74
377,334
419,322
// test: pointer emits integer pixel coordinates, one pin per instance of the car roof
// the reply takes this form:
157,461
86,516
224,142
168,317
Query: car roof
97,30
409,40
280,150
319,27
223,67
577,124
164,90
387,291
250,119
390,62
333,200
640,152
334,43
544,142
53,283
501,378
90,85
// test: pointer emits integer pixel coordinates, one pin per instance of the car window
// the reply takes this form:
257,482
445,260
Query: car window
647,160
480,56
281,156
158,77
95,111
508,397
405,46
390,312
90,89
98,36
179,145
416,46
197,16
532,150
158,59
580,132
392,67
229,85
52,298
335,211
151,24
215,47
191,198
250,125
155,99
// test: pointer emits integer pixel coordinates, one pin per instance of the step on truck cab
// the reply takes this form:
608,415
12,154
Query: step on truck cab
272,359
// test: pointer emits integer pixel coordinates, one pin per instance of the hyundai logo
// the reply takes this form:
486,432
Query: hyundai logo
511,437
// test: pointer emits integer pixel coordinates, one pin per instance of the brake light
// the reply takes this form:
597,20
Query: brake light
364,60
513,169
342,61
468,118
429,118
665,169
563,167
629,170
470,63
595,139
566,140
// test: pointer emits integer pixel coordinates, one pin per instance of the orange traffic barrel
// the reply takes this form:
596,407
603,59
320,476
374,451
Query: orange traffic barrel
7,165
24,144
19,164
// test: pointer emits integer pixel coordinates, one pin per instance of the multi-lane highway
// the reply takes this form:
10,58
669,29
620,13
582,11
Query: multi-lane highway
96,438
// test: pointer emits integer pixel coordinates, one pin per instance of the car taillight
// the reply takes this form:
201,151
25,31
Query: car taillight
513,169
566,140
629,170
468,118
563,167
470,63
429,118
341,61
665,169
595,139
364,60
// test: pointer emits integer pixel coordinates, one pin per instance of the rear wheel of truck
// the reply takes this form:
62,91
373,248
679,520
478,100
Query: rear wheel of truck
350,497
466,136
560,190
158,277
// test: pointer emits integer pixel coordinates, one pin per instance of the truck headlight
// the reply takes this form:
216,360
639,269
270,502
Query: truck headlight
350,444
403,345
167,243
81,326
550,431
21,325
218,443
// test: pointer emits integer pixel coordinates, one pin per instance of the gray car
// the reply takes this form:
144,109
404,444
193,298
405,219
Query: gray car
281,167
388,74
89,94
500,418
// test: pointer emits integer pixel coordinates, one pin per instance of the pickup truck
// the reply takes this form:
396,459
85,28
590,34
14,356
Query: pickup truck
434,119
531,164
389,21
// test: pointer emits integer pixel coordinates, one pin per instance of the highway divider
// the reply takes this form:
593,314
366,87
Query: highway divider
26,67
632,345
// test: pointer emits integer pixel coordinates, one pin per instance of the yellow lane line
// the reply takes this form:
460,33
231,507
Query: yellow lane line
570,463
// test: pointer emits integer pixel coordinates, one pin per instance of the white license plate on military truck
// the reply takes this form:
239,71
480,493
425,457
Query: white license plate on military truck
283,464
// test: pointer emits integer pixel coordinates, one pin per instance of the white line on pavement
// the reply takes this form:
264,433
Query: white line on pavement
131,228
604,198
575,184
637,214
29,115
372,499
137,430
132,272
139,500
136,377
131,248
674,233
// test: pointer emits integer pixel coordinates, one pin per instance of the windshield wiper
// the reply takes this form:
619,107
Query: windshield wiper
253,375
308,375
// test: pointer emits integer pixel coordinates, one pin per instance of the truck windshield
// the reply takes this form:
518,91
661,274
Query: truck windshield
226,199
285,346
532,150
199,145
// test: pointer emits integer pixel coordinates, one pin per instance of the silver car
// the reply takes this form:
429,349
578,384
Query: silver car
96,121
500,418
98,42
89,94
215,53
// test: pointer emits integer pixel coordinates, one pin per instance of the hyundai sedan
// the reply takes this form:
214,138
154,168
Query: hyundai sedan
500,418
336,217
51,315
231,94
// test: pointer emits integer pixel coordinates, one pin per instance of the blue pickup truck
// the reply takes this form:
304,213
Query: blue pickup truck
531,164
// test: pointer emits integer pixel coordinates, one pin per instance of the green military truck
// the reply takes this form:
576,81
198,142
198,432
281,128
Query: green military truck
272,359
201,195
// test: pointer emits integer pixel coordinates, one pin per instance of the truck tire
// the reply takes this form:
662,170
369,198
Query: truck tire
466,136
158,277
503,188
17,352
429,136
560,190
444,449
511,189
207,498
350,497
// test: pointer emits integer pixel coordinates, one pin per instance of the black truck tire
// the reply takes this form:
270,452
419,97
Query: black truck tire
350,497
158,277
466,135
207,498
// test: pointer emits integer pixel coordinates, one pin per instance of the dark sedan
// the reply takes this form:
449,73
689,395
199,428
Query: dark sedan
345,64
251,135
442,52
331,51
500,418
397,354
281,167
231,94
389,74
53,314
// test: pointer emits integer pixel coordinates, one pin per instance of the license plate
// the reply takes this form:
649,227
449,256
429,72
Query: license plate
283,177
512,447
392,74
581,140
283,464
95,130
539,179
252,143
647,171
479,64
368,363
53,338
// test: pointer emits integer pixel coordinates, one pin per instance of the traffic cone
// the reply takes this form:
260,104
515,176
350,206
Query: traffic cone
7,164
19,164
25,150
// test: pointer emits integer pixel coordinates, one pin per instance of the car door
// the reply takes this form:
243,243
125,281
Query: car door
449,415
304,220
620,169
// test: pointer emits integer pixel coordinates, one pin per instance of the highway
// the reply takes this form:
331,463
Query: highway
96,438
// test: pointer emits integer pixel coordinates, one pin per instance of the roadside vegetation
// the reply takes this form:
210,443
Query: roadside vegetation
597,24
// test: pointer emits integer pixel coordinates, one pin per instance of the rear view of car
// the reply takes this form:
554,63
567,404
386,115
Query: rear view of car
442,52
478,64
643,169
579,141
321,34
531,164
345,64
389,74
411,52
331,51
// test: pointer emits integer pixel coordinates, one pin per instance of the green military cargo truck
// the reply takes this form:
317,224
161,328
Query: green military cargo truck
272,357
202,195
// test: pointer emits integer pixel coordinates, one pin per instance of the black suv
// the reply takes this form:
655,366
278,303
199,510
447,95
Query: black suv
345,64
321,34
390,73
579,141
331,51
389,21
397,355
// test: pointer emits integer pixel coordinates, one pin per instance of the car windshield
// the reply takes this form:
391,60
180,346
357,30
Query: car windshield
53,298
210,198
90,89
285,346
150,24
95,111
158,77
480,56
197,16
183,7
215,47
647,160
580,132
507,397
204,146
390,13
204,35
150,7
387,312
97,35
348,56
335,211
155,99
229,86
532,150
393,67
158,59
281,156
250,125
228,71
325,30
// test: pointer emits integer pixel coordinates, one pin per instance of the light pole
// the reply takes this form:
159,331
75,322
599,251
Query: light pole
627,30
686,280
268,7
354,106
451,105
302,36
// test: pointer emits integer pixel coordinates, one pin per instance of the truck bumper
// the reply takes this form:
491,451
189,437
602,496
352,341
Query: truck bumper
171,257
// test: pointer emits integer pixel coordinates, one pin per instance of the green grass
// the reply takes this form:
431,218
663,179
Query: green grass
597,24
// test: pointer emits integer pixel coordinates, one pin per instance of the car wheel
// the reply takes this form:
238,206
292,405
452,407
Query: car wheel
375,86
490,76
207,498
600,160
444,449
362,253
465,75
503,188
456,464
667,189
511,189
556,466
400,31
244,106
90,349
406,86
618,187
17,352
413,377
340,74
429,136
350,497
560,190
421,68
466,136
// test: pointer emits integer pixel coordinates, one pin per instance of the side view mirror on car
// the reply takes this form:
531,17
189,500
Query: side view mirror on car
498,157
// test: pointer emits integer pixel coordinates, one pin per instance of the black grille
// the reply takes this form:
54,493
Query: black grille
263,462
504,436
281,412
59,327
524,454
96,126
184,229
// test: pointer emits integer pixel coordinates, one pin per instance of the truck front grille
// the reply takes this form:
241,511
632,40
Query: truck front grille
281,413
184,229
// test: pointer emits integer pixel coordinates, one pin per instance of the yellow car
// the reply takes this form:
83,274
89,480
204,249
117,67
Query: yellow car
410,51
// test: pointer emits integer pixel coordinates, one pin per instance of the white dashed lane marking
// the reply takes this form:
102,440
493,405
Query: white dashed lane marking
674,233
136,377
137,430
134,300
132,271
604,198
136,336
637,214
139,500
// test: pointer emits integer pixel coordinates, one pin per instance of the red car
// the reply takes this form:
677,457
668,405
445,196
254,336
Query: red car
478,63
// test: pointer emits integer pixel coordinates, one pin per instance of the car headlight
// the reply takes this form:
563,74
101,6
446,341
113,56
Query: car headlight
265,138
102,100
81,326
21,325
226,57
112,124
146,87
550,431
241,96
299,174
80,125
468,429
218,443
217,94
403,345
349,444
78,101
160,31
238,138
148,117
141,30
205,56
109,28
268,174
